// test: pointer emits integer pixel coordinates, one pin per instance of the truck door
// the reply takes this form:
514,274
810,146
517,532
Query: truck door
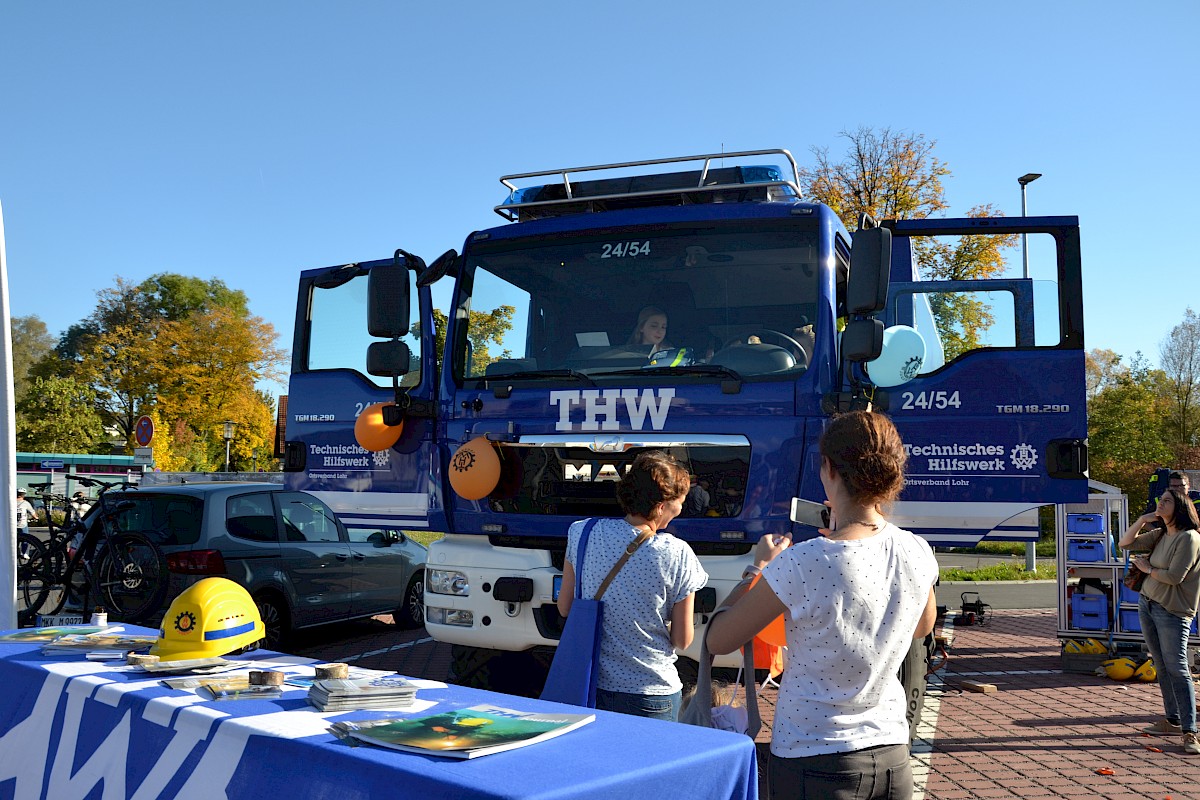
995,421
330,387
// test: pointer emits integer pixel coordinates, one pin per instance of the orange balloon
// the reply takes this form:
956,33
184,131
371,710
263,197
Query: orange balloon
775,633
372,433
475,469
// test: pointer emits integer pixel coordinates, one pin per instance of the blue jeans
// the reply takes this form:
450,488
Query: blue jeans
654,706
1166,638
876,773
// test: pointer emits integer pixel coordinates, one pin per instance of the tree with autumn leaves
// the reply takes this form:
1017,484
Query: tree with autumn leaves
185,352
895,175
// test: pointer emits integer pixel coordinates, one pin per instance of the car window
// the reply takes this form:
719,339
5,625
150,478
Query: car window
168,519
373,534
307,519
251,516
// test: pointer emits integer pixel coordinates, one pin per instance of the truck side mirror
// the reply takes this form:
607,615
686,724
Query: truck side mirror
870,268
862,340
438,269
387,302
389,359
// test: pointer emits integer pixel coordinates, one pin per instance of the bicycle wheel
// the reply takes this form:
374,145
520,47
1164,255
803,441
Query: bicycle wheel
34,576
131,576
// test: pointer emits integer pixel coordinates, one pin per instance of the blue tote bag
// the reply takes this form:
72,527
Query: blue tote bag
576,665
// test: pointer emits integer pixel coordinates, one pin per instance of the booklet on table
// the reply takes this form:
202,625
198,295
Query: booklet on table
463,733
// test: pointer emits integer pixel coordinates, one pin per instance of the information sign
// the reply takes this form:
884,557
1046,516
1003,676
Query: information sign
52,464
143,456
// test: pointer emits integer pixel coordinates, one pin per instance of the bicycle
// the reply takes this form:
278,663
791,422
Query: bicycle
124,571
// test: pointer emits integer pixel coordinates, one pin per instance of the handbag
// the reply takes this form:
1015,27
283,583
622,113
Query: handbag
1133,577
699,709
576,665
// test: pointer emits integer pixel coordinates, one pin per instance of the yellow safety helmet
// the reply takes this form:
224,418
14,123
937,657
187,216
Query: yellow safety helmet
1119,669
1085,646
213,617
1146,671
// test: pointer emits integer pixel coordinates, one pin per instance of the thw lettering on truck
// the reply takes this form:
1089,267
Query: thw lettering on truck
600,408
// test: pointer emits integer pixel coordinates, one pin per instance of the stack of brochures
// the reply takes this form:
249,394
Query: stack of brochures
462,733
94,645
349,694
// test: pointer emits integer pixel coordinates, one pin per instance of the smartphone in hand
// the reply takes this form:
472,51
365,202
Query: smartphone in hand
806,512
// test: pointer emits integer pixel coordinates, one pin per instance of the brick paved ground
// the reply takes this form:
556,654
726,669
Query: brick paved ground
1042,734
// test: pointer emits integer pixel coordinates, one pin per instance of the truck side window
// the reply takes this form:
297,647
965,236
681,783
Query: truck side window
335,343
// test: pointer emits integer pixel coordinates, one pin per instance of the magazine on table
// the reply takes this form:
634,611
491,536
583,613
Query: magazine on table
192,666
99,642
49,634
463,733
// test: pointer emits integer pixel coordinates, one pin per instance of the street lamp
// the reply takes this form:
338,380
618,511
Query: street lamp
228,434
1025,180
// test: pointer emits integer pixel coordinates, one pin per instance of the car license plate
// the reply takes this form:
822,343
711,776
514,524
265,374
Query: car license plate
557,586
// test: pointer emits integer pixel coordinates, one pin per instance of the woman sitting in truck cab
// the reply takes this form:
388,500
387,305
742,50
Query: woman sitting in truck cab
651,329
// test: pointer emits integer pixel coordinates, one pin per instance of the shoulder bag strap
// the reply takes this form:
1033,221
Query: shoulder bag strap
583,541
629,550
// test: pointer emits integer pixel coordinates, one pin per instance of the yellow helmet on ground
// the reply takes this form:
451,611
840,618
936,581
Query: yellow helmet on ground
1146,671
213,617
1085,646
1119,669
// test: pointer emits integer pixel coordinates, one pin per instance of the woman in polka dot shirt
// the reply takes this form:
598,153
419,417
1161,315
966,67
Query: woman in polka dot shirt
854,599
648,606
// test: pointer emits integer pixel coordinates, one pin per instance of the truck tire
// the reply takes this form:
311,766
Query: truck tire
520,673
912,676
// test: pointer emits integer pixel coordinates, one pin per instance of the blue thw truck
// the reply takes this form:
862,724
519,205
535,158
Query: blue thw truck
777,316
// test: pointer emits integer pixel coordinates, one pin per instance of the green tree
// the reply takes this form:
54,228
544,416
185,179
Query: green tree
485,328
1125,434
31,342
1103,367
58,415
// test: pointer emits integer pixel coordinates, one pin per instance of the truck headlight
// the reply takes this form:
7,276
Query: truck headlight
446,581
449,616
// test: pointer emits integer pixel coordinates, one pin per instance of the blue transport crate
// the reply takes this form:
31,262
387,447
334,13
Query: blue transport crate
1089,612
1130,621
1085,523
1086,550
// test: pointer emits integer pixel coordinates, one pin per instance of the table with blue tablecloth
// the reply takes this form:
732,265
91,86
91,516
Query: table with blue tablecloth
73,728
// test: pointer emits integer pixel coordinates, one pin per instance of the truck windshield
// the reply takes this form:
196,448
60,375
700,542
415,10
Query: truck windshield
742,296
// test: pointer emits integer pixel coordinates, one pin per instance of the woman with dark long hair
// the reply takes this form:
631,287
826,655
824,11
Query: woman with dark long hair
1170,593
853,599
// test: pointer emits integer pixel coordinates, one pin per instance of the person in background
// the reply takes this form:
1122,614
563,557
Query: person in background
648,607
651,329
1169,596
854,599
24,511
79,505
697,499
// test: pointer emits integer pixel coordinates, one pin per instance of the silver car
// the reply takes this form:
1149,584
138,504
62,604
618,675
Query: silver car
301,564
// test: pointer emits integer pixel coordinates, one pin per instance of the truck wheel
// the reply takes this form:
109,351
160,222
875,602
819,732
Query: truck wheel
912,676
521,673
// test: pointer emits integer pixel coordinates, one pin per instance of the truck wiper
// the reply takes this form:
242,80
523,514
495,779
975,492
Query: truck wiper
539,374
692,369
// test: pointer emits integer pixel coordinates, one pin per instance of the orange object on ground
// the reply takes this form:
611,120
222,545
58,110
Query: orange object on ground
1105,771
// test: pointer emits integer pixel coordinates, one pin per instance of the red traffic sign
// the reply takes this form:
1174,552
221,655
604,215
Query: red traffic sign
143,431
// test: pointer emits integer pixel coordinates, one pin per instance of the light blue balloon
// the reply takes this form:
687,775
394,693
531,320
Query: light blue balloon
902,357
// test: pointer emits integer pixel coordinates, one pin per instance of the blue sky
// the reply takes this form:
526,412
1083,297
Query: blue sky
248,141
